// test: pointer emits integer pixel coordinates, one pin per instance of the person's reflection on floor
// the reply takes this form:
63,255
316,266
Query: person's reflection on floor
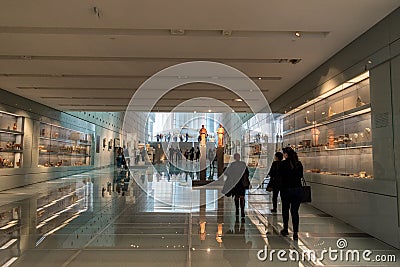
236,248
186,176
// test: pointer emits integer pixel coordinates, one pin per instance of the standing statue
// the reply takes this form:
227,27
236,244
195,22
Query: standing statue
203,134
220,132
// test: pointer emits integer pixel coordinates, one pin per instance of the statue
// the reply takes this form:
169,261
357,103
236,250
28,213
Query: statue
203,134
315,134
220,132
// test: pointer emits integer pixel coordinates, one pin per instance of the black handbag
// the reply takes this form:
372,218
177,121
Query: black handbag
270,186
246,181
306,191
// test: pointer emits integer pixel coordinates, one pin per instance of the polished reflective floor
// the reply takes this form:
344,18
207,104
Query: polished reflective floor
108,218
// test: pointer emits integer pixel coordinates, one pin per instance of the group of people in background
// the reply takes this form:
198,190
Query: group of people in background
167,137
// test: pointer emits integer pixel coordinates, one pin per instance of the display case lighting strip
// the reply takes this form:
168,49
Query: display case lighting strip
9,113
9,225
9,262
9,243
333,91
65,223
64,197
51,124
58,214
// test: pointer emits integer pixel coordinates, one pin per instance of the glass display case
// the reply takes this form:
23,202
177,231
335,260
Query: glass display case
59,146
332,133
11,137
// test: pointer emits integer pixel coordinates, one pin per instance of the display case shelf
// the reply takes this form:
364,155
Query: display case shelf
332,133
334,118
10,132
60,146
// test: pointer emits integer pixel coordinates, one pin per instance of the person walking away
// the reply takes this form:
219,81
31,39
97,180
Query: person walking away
197,154
237,172
275,179
127,157
291,172
192,154
171,154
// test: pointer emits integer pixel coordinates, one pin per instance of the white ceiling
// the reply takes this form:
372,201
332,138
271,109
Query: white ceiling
64,55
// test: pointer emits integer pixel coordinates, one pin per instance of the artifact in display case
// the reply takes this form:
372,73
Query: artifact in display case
338,139
59,146
11,137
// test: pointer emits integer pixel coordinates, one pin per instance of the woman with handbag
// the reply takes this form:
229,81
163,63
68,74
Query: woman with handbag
291,172
274,184
237,183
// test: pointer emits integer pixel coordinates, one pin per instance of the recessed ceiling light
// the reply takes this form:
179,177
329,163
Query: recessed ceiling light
209,110
238,100
226,32
233,110
297,34
177,31
259,78
194,111
369,62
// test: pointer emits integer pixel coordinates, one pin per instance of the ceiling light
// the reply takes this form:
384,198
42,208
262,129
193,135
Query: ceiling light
238,100
177,31
259,78
26,57
233,110
369,62
194,111
226,32
297,34
209,110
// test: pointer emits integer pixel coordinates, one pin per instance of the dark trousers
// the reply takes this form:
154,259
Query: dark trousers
275,193
239,200
291,199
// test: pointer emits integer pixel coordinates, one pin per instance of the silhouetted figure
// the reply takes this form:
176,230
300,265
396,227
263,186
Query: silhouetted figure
291,172
275,179
237,173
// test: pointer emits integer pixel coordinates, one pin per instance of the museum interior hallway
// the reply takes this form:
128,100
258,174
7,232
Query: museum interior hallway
152,220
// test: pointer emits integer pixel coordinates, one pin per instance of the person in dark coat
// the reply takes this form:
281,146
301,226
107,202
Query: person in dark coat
197,154
236,172
291,172
275,179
